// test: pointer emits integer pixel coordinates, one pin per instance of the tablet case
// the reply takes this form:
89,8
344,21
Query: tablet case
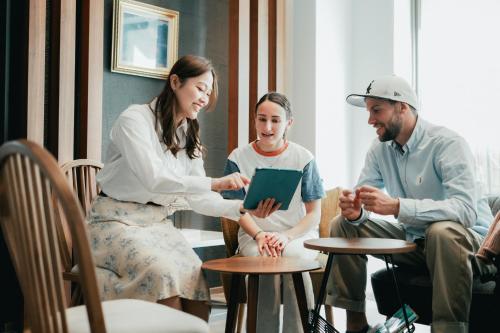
279,184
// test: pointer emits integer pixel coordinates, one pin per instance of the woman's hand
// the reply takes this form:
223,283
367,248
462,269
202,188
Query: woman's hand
265,208
234,181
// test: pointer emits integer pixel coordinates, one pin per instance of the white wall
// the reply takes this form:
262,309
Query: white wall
300,70
372,56
338,48
333,55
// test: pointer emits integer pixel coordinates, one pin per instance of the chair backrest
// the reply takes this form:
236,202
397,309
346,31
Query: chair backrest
230,232
81,175
32,192
329,209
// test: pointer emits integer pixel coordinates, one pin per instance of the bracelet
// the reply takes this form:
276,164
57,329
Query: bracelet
258,232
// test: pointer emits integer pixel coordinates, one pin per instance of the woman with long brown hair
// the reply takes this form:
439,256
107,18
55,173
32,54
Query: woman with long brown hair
152,168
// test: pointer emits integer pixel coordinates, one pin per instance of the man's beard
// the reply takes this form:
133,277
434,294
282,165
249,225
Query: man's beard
392,130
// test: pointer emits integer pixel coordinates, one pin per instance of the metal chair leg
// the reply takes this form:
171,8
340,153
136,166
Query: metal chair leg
329,314
388,259
241,317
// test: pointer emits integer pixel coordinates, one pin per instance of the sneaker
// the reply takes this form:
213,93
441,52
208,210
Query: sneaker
396,324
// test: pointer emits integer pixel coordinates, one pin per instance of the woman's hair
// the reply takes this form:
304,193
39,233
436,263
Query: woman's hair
279,99
166,108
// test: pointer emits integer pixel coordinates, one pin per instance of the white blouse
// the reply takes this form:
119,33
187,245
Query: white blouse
139,168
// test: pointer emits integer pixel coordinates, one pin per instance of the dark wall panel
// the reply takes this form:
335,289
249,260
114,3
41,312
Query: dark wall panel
13,71
4,74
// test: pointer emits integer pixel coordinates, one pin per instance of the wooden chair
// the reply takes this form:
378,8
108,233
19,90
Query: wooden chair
81,175
32,190
329,209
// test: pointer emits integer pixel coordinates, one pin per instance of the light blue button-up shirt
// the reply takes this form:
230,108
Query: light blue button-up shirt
433,177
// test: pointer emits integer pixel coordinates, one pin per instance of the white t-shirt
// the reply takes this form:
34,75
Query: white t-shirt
293,156
139,168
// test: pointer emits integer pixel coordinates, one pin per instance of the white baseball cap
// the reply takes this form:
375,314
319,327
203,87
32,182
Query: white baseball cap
388,87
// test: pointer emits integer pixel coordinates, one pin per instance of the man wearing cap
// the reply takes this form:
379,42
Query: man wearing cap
428,176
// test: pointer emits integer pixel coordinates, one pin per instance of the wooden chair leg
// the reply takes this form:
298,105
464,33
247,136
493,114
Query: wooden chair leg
232,306
241,317
252,300
26,320
67,292
329,314
76,296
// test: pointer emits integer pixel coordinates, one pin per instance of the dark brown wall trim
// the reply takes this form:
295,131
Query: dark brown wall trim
91,79
254,67
234,21
271,42
62,80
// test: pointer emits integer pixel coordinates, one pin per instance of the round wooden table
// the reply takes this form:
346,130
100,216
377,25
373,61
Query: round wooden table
338,245
255,266
374,246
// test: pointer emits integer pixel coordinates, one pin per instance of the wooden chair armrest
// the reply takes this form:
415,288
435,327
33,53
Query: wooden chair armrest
71,276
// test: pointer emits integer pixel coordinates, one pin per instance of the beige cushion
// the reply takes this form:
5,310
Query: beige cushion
130,315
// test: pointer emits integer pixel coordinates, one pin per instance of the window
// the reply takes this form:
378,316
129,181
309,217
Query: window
403,40
459,76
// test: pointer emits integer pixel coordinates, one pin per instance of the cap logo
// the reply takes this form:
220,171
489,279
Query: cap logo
397,94
369,87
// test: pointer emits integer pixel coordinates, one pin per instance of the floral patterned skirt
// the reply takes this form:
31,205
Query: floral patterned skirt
140,254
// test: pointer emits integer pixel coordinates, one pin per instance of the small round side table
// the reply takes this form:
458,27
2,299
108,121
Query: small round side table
341,246
255,266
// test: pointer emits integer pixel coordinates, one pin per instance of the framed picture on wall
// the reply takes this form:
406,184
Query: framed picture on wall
145,39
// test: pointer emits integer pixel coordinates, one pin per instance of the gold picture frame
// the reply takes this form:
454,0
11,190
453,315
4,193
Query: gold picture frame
145,39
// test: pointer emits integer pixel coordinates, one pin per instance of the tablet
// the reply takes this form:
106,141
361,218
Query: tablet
279,184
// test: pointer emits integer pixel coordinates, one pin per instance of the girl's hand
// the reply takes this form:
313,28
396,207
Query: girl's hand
262,240
278,241
234,181
265,208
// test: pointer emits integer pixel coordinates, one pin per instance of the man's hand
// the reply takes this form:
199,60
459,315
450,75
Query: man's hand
375,200
265,208
350,205
234,181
